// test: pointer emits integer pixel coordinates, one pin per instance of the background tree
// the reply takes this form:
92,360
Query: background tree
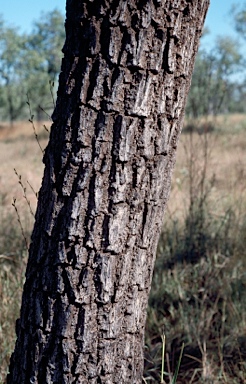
12,62
214,88
45,42
239,16
24,58
47,38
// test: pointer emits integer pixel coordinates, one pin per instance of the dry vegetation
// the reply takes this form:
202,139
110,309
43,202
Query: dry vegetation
198,295
18,150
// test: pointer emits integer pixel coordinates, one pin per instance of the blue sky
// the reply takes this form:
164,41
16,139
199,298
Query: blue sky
23,12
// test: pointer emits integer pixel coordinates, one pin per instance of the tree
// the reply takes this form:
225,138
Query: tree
11,70
45,43
213,88
26,58
239,16
47,39
122,89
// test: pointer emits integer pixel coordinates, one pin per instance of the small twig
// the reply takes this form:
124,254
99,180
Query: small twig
51,82
32,189
47,130
24,192
33,125
19,221
42,109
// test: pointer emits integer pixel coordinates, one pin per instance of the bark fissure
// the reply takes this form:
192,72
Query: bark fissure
125,76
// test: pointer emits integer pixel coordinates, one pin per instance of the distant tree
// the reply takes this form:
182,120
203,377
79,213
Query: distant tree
239,16
213,86
12,69
45,42
26,58
122,91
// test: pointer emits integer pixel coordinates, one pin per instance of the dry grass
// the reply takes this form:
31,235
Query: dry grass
178,290
18,150
198,292
226,167
11,281
213,165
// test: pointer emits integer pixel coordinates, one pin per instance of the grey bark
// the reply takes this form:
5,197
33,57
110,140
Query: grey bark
125,76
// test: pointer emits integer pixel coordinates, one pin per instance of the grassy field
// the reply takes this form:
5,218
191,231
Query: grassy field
21,171
198,295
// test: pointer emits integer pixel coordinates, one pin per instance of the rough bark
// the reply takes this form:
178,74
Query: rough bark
125,76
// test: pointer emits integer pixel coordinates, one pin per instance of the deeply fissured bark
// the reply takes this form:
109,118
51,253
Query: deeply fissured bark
125,76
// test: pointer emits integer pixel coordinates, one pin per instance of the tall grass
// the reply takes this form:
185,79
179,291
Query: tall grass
198,294
16,222
12,268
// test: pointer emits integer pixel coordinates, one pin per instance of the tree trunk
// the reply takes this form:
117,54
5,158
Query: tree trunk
125,76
